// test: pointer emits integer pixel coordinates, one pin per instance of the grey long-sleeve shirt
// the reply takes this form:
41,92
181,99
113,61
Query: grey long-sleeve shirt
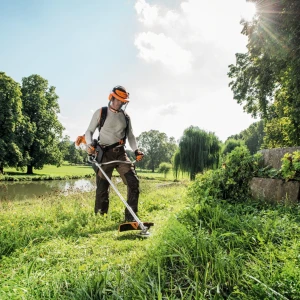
113,129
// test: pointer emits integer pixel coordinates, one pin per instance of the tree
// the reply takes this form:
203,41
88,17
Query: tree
230,144
43,130
130,154
198,150
253,136
164,168
76,156
266,79
157,147
64,147
10,119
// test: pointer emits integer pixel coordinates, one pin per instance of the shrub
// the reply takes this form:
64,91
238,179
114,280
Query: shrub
231,181
231,144
164,168
290,168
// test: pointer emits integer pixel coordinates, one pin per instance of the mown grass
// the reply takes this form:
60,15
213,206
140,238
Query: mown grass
75,171
50,170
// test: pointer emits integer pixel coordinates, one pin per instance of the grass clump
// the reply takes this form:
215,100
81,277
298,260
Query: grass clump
221,250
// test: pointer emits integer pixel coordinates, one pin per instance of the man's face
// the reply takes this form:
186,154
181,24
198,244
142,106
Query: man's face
116,104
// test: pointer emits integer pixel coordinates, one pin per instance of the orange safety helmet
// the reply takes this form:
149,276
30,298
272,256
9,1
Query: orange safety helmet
120,93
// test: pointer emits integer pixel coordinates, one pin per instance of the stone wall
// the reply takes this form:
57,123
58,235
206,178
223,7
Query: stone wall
275,190
272,157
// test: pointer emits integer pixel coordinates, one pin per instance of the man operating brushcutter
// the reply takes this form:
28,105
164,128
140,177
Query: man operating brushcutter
114,127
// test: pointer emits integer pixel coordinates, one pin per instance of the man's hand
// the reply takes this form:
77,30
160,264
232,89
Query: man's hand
90,150
138,155
80,140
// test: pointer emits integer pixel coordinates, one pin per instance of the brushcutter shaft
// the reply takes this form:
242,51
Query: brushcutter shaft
142,226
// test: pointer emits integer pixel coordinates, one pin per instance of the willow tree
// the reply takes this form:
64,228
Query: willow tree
198,150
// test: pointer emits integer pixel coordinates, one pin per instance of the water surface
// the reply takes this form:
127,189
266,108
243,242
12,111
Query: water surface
27,190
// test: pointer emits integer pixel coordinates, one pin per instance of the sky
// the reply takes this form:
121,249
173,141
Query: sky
172,56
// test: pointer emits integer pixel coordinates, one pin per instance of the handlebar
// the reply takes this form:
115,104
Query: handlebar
93,160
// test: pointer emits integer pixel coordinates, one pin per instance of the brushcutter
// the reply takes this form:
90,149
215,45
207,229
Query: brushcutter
138,225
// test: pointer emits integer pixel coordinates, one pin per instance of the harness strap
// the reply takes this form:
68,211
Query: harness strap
106,148
103,115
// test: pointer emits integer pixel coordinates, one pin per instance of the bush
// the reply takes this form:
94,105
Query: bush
231,144
290,168
231,181
164,168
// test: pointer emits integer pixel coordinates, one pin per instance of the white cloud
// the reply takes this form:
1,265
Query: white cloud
169,109
147,14
183,81
160,48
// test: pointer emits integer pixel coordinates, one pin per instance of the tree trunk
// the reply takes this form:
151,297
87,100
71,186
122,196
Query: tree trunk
29,170
1,170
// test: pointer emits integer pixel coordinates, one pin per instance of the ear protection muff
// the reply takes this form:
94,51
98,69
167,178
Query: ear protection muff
119,93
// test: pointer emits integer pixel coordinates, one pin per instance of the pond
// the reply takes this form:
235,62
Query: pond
27,190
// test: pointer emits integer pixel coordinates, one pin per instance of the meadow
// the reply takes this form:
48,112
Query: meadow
73,171
199,248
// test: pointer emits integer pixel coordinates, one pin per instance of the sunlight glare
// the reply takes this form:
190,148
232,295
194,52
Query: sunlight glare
248,11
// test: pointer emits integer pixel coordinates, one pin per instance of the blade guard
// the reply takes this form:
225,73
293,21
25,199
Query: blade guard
133,226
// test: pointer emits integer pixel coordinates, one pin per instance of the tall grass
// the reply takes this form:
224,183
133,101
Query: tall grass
55,248
219,250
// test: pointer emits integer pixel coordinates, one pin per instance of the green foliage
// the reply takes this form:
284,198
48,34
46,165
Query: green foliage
64,146
266,79
130,154
198,150
10,120
70,153
230,144
231,181
268,172
40,136
290,168
253,136
157,148
164,168
76,156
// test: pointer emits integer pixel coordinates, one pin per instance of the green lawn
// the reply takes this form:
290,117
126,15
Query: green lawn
50,170
84,170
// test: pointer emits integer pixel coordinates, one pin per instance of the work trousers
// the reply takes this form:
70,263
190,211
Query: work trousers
128,175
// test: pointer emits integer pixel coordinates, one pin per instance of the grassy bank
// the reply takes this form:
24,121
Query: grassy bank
49,172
